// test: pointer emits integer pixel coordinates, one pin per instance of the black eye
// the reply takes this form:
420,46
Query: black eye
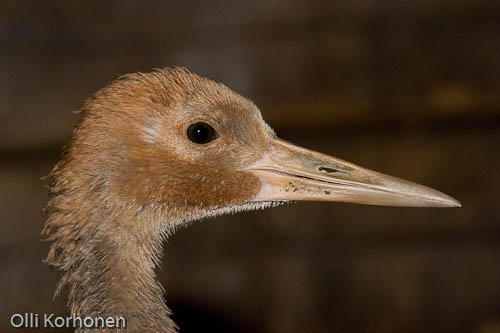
201,133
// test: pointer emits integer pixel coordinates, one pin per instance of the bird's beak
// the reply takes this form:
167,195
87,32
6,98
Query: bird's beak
289,172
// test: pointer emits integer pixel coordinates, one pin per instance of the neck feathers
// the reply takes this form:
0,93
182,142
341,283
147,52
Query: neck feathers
107,255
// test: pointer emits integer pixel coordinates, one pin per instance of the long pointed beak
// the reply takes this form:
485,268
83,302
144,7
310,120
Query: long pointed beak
289,172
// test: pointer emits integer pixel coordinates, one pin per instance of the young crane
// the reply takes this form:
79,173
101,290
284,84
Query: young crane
155,151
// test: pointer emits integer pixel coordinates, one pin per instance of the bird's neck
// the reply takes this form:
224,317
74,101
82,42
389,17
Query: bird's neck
110,270
127,284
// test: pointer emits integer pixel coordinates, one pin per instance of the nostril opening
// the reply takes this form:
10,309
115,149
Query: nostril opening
328,170
331,170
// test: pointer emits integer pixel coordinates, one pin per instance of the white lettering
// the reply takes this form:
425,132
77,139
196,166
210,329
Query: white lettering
120,322
75,319
110,322
59,322
50,320
13,323
47,320
88,324
99,322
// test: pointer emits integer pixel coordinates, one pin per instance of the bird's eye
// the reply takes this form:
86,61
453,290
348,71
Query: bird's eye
201,133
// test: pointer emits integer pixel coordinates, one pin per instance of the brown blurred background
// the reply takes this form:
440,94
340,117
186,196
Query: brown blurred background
410,88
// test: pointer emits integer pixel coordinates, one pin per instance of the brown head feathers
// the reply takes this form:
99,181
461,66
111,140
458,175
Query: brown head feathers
130,175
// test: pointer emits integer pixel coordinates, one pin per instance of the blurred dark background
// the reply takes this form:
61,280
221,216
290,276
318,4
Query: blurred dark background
410,88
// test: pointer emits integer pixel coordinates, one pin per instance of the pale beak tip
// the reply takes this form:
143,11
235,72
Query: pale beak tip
447,201
455,203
